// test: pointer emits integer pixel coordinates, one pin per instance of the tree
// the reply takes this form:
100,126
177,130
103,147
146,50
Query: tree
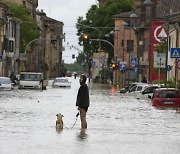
29,28
101,18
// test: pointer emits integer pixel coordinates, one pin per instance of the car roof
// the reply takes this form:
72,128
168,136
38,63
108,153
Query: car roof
60,78
159,89
4,77
31,73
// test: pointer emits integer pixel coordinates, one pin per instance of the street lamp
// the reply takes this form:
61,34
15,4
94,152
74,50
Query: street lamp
25,51
123,44
149,3
167,40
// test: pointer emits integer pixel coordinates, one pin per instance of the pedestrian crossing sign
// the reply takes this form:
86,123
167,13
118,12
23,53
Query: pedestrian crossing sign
134,60
175,52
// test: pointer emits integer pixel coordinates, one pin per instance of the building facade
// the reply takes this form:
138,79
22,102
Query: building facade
163,14
50,45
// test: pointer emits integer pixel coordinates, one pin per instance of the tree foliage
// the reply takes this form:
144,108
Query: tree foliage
29,29
99,22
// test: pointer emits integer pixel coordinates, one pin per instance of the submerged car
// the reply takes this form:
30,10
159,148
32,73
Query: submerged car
5,83
134,91
148,91
61,82
166,97
126,89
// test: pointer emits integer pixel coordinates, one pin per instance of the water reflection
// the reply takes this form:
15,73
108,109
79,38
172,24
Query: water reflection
116,123
58,130
82,134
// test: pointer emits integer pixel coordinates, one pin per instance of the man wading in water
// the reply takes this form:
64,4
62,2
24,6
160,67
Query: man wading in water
82,101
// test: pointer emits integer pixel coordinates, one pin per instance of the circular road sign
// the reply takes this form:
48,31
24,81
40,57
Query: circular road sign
123,67
178,64
168,68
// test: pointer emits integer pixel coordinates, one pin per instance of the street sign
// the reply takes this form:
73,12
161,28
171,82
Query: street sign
123,67
159,60
134,60
1,58
175,52
135,69
178,64
168,68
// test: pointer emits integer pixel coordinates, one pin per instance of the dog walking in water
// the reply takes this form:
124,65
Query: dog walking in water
59,121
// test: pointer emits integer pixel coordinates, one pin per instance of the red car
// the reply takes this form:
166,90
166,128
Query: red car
166,97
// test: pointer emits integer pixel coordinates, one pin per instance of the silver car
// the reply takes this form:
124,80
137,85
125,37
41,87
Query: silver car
61,82
5,83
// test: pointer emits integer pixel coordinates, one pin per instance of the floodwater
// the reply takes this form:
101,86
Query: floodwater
117,124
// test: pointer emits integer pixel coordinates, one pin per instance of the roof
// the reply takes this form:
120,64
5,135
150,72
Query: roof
159,89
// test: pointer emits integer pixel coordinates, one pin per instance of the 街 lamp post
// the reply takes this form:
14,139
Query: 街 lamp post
148,4
25,51
167,39
124,24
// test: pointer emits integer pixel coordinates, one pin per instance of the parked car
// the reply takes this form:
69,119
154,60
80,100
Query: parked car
136,90
126,89
61,82
148,91
5,83
166,97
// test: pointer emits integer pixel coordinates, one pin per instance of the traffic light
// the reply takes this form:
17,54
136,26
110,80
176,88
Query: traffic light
114,66
85,39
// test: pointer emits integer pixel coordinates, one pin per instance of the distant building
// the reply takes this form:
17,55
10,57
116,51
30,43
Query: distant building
163,13
50,47
9,42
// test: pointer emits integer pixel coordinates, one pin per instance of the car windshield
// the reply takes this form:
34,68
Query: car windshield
5,81
129,87
61,80
168,94
149,90
30,77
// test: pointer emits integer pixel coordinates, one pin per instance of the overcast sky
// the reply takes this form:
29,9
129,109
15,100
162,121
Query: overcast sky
67,11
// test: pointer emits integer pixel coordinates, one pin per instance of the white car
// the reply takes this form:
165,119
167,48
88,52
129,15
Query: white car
61,82
5,83
147,92
126,89
134,91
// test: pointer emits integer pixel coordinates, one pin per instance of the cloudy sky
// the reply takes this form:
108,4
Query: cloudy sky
67,11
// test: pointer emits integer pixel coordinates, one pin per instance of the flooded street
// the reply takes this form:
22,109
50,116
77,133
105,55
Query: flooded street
117,124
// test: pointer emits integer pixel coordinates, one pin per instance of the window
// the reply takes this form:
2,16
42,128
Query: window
168,94
150,90
133,89
139,88
130,45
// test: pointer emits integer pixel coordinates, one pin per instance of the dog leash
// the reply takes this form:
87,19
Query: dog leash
75,121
